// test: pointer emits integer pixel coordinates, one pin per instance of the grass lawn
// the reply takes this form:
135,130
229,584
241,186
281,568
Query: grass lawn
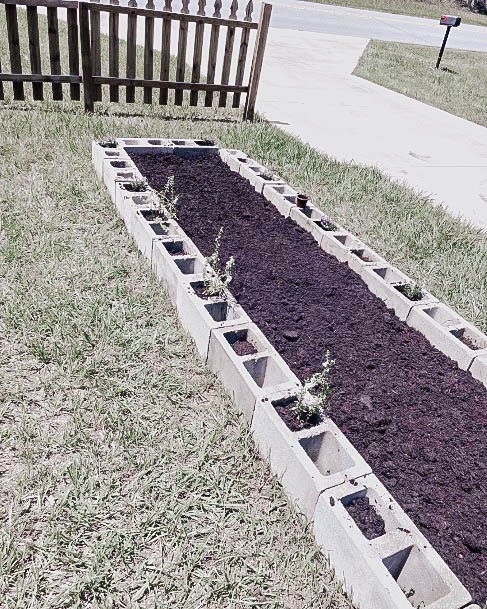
127,481
431,9
459,86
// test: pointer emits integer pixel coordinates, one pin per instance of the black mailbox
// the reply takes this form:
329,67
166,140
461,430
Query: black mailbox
450,20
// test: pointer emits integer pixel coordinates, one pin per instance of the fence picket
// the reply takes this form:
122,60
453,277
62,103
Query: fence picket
14,48
181,60
131,52
54,52
149,52
198,48
34,51
165,52
257,60
85,40
227,59
73,51
113,52
212,53
242,54
96,47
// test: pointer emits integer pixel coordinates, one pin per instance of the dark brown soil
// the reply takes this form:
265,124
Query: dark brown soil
366,518
417,419
243,347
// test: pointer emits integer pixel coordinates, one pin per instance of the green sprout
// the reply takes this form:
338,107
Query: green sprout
136,186
108,142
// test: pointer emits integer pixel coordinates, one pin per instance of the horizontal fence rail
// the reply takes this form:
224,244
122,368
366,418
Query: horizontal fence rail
102,69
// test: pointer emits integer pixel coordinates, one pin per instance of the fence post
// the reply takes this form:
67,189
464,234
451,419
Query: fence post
258,58
84,31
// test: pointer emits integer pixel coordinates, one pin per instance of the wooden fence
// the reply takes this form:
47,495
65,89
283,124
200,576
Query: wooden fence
84,39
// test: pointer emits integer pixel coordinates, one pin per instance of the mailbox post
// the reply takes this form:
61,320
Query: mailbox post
450,22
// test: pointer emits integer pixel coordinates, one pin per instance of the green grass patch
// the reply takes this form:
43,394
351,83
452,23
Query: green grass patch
459,86
430,9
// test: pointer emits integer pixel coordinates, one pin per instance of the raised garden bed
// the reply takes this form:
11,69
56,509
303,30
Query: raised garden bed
418,419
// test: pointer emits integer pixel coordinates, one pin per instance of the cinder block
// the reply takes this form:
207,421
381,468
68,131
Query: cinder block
282,196
362,256
478,369
448,332
118,171
176,259
383,280
253,171
99,153
199,316
397,569
145,231
339,243
306,462
310,218
191,148
248,378
126,200
231,157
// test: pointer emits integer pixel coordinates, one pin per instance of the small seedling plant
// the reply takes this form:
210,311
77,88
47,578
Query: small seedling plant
312,410
217,279
167,200
411,291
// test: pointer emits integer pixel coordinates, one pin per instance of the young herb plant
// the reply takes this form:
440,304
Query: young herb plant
411,291
167,200
318,386
216,280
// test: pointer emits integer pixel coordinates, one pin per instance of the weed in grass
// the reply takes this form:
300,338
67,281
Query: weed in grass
217,279
312,409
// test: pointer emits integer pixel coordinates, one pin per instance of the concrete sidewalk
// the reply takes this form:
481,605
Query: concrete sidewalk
308,90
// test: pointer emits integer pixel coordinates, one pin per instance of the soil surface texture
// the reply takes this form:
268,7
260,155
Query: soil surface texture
366,518
419,420
243,347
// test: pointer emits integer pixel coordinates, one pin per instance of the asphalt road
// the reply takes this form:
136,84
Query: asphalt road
343,21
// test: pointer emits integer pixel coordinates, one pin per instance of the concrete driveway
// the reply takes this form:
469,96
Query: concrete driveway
308,90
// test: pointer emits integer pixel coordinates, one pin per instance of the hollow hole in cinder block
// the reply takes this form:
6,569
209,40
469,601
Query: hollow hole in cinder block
222,311
155,142
175,248
131,142
119,164
326,453
473,340
363,254
112,153
416,576
442,316
265,371
181,143
389,275
189,266
364,514
125,175
242,342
